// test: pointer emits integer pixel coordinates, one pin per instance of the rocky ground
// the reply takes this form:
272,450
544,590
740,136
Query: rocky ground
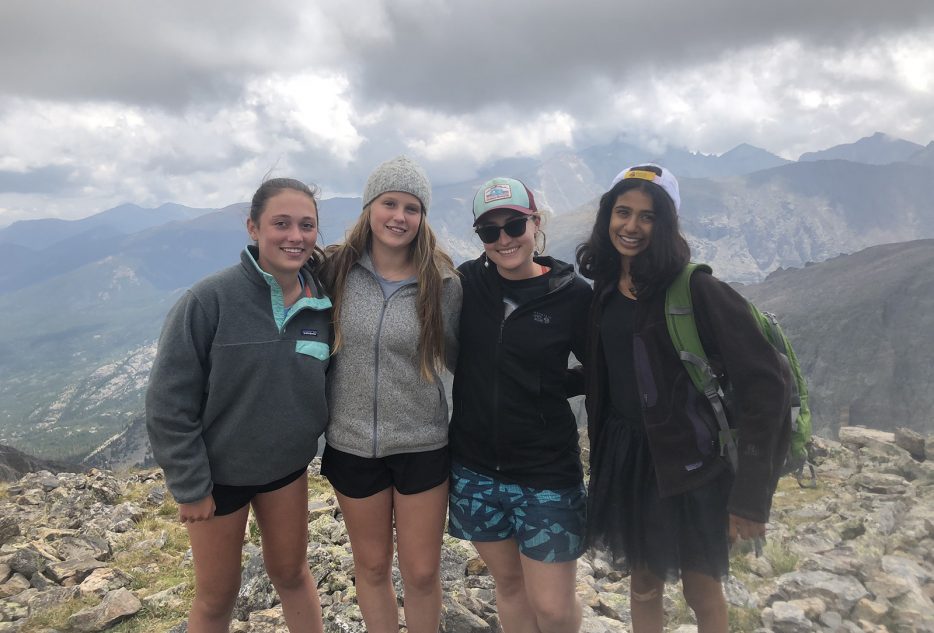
102,551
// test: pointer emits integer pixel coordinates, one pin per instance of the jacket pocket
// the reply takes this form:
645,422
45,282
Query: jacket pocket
316,349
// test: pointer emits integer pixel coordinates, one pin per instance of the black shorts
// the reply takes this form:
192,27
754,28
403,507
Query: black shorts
409,473
229,499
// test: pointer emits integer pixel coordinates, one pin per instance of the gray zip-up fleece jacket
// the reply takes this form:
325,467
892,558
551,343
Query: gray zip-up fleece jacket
237,391
380,404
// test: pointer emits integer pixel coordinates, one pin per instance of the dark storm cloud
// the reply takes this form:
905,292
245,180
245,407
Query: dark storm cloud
459,56
147,53
452,56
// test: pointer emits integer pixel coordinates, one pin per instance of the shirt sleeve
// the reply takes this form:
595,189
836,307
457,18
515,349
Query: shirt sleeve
175,397
759,402
574,380
452,299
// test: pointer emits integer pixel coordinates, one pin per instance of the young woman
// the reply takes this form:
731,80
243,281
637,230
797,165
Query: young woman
236,404
397,300
516,483
661,499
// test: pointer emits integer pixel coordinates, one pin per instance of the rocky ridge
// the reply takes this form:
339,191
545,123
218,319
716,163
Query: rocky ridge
102,551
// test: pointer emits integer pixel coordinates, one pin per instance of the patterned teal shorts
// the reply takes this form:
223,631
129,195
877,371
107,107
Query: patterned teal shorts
548,525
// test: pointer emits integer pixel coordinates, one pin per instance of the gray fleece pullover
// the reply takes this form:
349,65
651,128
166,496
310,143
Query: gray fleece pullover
380,403
237,391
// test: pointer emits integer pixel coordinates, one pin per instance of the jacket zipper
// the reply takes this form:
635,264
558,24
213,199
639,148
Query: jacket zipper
499,348
379,332
499,345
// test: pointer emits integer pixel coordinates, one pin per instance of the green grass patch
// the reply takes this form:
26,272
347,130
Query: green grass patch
168,508
151,621
253,532
678,612
56,617
780,557
319,485
743,620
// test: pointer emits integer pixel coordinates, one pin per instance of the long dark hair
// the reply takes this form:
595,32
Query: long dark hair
653,269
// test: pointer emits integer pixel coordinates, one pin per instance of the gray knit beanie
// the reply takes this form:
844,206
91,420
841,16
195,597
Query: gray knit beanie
398,174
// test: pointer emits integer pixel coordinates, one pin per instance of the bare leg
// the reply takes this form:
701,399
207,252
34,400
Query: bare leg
419,529
704,594
369,524
216,545
283,520
646,589
512,604
550,588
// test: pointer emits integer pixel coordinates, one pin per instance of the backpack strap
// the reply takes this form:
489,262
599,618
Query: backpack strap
682,328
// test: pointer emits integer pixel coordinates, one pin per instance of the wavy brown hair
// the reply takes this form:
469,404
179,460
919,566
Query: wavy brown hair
432,265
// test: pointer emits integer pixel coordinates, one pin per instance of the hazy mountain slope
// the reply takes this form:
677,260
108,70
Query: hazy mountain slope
924,156
14,464
862,326
127,218
878,149
804,212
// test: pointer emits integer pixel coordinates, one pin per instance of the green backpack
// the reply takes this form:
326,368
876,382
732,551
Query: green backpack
679,315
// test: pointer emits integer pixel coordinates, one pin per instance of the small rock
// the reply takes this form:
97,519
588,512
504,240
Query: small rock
102,581
813,607
83,546
881,483
26,561
838,592
165,598
49,598
116,607
785,617
911,441
156,496
40,582
77,569
870,610
612,605
16,583
857,436
9,529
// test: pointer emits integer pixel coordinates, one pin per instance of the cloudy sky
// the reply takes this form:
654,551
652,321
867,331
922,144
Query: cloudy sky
111,101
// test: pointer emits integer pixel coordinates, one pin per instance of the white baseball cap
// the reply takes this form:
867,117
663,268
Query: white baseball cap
654,174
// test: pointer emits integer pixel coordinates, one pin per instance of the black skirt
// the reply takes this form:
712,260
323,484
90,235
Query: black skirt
627,519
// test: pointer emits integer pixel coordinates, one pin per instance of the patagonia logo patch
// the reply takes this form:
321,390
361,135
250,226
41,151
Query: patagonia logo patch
542,318
694,466
307,332
496,192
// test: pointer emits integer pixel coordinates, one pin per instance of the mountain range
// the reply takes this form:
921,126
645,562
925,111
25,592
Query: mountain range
82,311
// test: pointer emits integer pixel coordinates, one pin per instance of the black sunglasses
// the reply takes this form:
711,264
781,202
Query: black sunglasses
489,233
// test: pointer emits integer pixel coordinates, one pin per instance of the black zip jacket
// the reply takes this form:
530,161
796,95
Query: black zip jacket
679,423
511,416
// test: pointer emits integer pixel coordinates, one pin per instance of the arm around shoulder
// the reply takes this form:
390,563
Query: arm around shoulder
452,297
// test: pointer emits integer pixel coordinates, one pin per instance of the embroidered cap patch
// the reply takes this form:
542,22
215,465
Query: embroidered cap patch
496,192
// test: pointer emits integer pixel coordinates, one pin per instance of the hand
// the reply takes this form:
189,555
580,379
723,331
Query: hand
741,528
200,510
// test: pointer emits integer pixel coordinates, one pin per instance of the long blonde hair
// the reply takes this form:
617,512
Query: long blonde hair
432,265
